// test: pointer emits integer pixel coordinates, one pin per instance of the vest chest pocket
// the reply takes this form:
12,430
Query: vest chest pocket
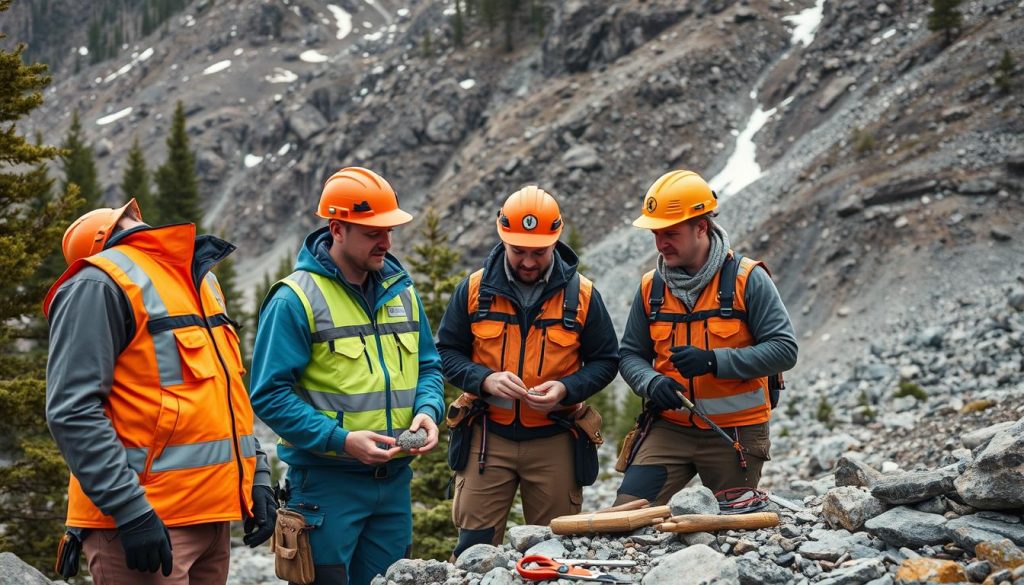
723,332
197,354
563,337
487,329
486,343
346,351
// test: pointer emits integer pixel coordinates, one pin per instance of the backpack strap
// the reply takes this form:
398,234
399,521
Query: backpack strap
727,285
657,296
571,302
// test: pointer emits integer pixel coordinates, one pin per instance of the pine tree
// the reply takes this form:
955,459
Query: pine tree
33,484
79,166
136,184
434,268
434,261
177,185
945,18
458,26
227,276
1004,72
575,241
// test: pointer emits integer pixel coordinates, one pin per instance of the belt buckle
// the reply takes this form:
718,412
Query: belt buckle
380,472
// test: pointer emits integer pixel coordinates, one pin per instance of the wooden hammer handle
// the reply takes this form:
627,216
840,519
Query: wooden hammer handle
634,505
713,522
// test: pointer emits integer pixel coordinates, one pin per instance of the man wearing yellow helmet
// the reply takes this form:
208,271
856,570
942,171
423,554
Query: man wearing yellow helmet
709,325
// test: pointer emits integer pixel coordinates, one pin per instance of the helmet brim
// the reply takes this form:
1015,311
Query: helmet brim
393,218
647,222
528,240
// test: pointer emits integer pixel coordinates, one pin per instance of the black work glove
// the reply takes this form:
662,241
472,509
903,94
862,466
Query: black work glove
260,526
692,362
147,545
663,393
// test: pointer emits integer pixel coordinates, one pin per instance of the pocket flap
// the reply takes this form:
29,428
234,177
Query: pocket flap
661,331
350,347
724,327
285,553
562,337
191,337
410,341
487,329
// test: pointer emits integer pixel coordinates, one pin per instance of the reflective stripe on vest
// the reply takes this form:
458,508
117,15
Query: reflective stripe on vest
344,378
190,455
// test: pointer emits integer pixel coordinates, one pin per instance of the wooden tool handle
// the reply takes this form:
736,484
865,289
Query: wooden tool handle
623,521
713,522
634,505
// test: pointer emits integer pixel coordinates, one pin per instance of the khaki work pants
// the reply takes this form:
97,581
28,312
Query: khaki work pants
201,556
672,455
542,469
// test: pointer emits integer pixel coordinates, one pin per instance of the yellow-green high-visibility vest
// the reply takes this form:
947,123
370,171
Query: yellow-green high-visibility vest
362,372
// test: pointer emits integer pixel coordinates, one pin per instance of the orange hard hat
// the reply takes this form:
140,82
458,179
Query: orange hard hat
676,196
530,218
88,234
361,196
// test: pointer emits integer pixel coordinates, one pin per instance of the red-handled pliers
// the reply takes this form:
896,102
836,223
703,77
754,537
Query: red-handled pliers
547,569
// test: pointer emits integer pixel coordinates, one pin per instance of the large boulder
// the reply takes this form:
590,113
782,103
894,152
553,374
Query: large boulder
916,486
14,571
993,480
481,558
850,507
907,527
699,563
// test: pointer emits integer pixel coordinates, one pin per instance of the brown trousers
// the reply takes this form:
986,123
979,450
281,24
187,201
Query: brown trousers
542,469
672,455
201,556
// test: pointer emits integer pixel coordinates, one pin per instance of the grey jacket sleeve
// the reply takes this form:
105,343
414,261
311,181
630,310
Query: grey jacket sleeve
91,322
262,475
775,346
637,349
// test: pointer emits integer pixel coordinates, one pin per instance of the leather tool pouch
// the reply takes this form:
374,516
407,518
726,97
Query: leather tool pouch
585,427
293,557
461,415
69,551
633,439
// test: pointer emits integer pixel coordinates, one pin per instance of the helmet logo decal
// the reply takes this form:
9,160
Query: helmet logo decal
651,204
530,222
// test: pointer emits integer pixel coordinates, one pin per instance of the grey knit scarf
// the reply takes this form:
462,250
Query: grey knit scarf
688,288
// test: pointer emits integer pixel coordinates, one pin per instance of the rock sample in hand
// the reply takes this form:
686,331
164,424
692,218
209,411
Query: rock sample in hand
412,440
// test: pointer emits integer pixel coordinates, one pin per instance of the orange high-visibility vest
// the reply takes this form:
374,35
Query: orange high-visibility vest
727,402
178,403
549,351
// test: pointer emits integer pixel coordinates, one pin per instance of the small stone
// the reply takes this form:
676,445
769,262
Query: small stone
849,507
481,558
855,473
931,570
498,576
552,548
992,480
699,563
999,577
412,440
693,500
754,571
978,570
693,538
999,234
855,572
523,537
1002,554
916,486
907,527
744,546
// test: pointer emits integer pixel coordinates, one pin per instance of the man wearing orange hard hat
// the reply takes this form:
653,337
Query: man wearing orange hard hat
145,398
706,324
344,362
527,339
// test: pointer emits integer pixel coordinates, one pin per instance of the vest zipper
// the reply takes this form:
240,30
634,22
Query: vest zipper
504,345
543,346
366,353
231,409
693,392
398,346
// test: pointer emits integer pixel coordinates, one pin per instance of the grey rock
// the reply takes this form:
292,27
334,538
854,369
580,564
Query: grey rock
901,190
412,440
852,205
999,234
417,572
442,128
907,527
582,156
1016,300
498,577
523,537
978,570
979,437
744,14
481,558
700,564
1013,531
209,165
855,572
992,481
916,486
931,337
306,122
955,113
850,507
693,538
936,505
14,571
552,548
785,559
873,371
651,539
827,451
761,572
834,90
851,472
883,580
978,186
693,500
967,537
830,545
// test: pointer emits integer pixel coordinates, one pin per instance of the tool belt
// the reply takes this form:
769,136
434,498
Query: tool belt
633,439
293,556
462,413
68,552
585,427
